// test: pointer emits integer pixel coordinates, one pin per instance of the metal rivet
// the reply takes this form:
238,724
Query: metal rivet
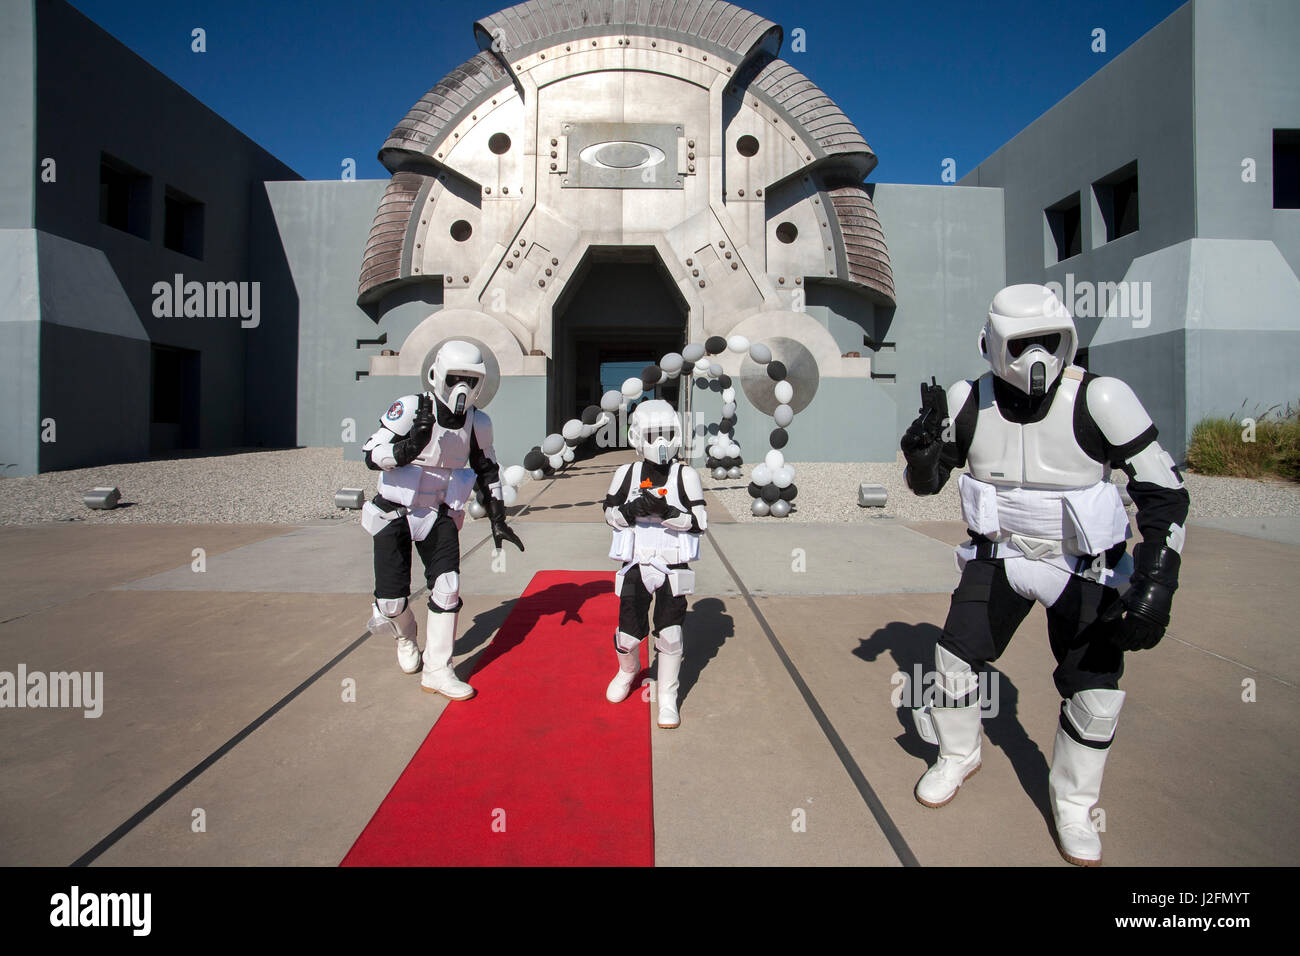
722,243
654,43
554,154
487,190
548,271
424,222
690,168
515,253
450,279
679,49
726,255
554,141
798,281
464,278
733,265
505,189
543,56
690,262
690,143
701,283
758,192
695,272
816,202
542,283
706,57
554,261
417,268
741,192
510,265
781,280
690,155
522,242
552,167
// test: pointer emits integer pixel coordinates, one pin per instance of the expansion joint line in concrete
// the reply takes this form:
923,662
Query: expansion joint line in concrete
184,781
868,794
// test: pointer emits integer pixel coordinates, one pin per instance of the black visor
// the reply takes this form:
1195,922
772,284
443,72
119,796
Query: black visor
1049,341
454,380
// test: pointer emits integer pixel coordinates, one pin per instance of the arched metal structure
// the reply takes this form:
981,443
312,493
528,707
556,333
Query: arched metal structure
670,124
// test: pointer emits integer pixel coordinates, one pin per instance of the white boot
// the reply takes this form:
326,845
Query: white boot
958,730
629,665
438,676
670,665
1075,779
393,616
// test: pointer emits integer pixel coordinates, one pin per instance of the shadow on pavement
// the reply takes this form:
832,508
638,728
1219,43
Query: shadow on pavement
706,628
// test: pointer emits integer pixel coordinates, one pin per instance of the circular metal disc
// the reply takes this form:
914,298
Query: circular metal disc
801,373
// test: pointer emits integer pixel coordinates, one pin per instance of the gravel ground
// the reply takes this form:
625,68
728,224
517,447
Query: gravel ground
828,492
296,486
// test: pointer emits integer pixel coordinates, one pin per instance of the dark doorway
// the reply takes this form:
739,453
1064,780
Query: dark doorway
621,306
174,408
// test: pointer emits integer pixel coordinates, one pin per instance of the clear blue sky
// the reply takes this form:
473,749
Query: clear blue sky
314,82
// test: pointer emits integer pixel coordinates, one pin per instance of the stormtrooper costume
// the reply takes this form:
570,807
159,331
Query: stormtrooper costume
431,450
1040,437
656,508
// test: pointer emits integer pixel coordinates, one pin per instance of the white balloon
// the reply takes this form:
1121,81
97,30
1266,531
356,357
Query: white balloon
509,496
728,394
774,459
702,366
476,510
556,461
604,419
567,455
671,363
572,429
632,389
553,445
612,400
761,475
784,477
784,392
514,475
760,508
783,415
588,431
738,343
728,409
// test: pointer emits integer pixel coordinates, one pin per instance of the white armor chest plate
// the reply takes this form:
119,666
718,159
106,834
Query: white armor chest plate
648,540
1042,454
449,447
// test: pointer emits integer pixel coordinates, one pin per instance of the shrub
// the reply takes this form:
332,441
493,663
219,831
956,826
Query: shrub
1220,446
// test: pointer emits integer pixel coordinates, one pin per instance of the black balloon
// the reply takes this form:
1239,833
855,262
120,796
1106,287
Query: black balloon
788,492
755,491
724,381
573,442
776,371
590,414
715,345
534,460
778,438
771,493
650,376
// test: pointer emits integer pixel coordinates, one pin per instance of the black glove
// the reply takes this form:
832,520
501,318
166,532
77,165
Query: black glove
654,504
920,448
1145,606
670,512
496,510
417,439
636,508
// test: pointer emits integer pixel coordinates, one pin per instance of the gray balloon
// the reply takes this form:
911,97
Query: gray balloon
780,508
715,369
476,510
612,400
760,508
760,353
729,410
734,471
693,353
719,473
553,445
671,363
784,415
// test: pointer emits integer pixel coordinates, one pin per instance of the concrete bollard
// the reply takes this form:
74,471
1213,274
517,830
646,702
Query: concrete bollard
351,498
102,499
871,496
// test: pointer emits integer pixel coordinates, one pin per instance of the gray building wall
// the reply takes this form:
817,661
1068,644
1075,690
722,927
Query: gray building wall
20,345
93,363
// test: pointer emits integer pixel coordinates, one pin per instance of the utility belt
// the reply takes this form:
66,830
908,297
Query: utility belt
1112,567
379,512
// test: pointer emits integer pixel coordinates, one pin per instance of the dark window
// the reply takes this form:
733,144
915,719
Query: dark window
175,398
123,196
1117,201
182,223
1286,169
1081,358
1064,227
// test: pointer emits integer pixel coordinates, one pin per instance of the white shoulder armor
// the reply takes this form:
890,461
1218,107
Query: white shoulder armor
691,482
958,393
1116,410
619,474
398,417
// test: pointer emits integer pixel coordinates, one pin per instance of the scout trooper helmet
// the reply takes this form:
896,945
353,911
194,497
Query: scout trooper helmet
457,375
1029,338
655,432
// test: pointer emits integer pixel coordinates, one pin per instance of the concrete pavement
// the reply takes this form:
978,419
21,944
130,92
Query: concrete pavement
227,691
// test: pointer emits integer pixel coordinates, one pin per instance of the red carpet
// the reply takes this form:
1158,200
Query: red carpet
570,770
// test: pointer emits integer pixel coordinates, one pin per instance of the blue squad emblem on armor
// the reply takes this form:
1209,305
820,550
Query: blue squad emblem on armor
394,411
